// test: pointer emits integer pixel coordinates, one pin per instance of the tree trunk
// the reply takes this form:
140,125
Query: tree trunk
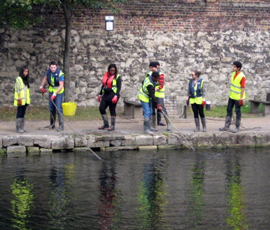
68,20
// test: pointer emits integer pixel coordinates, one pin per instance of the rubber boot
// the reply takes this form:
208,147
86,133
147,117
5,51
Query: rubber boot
237,126
147,126
22,125
105,122
61,123
18,125
227,124
153,120
52,121
169,127
204,124
159,123
197,123
112,127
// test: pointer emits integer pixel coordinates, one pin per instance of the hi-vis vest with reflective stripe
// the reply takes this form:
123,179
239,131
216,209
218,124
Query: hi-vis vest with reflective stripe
53,88
160,92
25,98
196,92
114,84
235,90
144,94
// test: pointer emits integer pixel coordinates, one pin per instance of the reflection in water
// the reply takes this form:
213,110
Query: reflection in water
59,198
236,218
151,196
21,203
195,192
109,212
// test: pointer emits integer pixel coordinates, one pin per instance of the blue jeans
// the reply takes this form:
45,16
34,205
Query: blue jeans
147,109
58,102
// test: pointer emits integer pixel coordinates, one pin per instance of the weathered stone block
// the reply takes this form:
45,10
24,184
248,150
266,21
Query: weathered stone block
80,141
160,140
62,143
116,143
1,143
43,141
26,140
151,147
16,151
81,149
118,148
32,150
44,151
100,144
174,139
144,140
9,140
129,141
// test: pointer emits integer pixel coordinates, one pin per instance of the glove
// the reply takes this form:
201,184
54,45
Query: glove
203,103
114,99
19,102
159,108
42,89
241,102
53,96
99,98
187,102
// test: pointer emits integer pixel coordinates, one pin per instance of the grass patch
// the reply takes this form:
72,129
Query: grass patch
37,113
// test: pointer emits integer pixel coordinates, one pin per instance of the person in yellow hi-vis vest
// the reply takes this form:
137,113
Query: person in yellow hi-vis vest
236,97
196,97
21,98
54,77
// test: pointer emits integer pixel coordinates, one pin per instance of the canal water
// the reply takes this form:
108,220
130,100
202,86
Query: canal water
172,189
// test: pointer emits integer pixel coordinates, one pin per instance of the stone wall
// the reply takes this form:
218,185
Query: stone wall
192,35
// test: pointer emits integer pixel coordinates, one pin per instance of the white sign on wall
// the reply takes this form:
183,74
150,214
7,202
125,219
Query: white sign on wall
109,23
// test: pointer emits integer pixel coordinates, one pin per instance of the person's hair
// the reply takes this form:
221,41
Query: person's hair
157,63
53,63
113,66
238,64
155,75
197,73
24,78
153,64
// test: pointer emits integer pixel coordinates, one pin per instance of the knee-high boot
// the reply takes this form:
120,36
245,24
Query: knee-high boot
18,125
61,123
112,127
197,123
147,126
105,122
227,124
52,121
204,124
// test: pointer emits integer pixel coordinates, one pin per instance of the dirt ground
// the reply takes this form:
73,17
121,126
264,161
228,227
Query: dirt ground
131,126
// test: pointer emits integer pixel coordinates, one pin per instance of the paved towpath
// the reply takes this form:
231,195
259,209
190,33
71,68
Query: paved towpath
130,126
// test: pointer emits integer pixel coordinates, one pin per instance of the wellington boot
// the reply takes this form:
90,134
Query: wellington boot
52,121
18,125
237,126
61,123
227,124
105,122
197,123
147,126
22,125
112,127
204,124
153,120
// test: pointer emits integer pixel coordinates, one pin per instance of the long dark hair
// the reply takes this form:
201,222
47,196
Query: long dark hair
197,73
24,78
113,66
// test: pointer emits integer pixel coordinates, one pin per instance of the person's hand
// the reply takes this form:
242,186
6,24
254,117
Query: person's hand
19,102
99,98
241,102
159,108
53,96
42,89
187,102
114,99
204,102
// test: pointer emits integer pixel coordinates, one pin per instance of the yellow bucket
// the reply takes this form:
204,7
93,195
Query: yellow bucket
69,108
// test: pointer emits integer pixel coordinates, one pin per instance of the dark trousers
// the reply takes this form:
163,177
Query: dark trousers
231,104
21,111
104,104
197,109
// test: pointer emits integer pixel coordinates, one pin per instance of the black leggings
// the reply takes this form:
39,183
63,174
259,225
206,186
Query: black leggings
21,111
104,104
197,109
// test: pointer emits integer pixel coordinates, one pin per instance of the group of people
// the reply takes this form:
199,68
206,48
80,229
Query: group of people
151,96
